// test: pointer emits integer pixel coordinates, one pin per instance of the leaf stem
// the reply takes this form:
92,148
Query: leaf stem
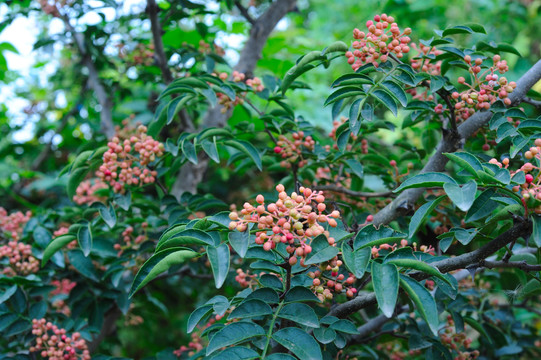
269,333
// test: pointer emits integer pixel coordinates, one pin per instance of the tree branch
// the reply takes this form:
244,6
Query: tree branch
534,103
190,175
404,203
522,265
347,191
244,12
520,229
106,113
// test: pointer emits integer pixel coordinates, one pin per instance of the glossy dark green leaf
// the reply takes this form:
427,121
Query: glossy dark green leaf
184,237
188,149
428,179
385,280
198,315
467,161
42,236
482,206
423,300
300,294
386,100
267,295
233,334
355,167
84,238
211,149
302,345
236,353
352,79
463,197
356,261
219,262
251,308
369,236
421,213
300,313
248,149
396,91
159,263
75,178
344,326
83,264
536,232
419,266
240,241
58,243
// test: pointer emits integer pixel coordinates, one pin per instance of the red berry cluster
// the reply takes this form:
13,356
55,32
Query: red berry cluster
196,344
485,88
291,220
383,38
457,342
336,124
126,161
142,54
86,192
291,150
53,343
129,238
328,280
255,83
60,293
21,260
426,65
245,279
12,225
208,48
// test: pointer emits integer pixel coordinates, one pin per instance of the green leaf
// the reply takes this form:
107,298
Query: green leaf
42,236
386,100
421,213
233,334
198,315
75,178
356,167
158,263
325,335
236,353
344,326
108,215
369,236
4,296
482,206
478,28
251,308
385,280
467,161
342,93
188,149
302,345
211,149
84,238
267,295
83,264
425,303
352,79
55,245
536,232
456,30
248,149
356,261
240,241
280,356
420,266
219,262
337,46
179,236
428,179
300,293
321,251
300,313
463,197
396,91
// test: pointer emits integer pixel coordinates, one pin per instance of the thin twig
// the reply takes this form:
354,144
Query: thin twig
244,12
347,191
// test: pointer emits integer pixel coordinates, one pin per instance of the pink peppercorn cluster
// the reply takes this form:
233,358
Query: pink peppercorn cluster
293,220
142,54
426,65
255,83
13,224
208,48
403,243
383,38
86,192
336,124
457,342
328,281
53,343
291,150
125,162
21,259
60,293
486,87
130,239
244,279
